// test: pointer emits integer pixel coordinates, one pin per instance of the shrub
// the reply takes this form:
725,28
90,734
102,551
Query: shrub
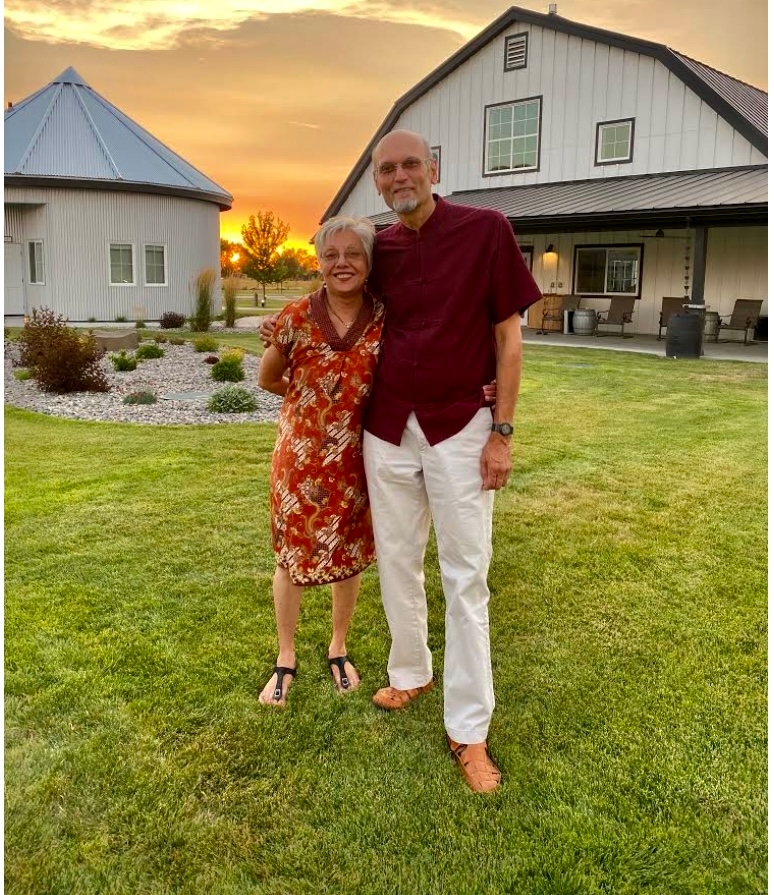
171,320
140,324
205,343
211,359
120,319
228,369
238,353
232,399
230,287
160,338
202,315
176,340
22,375
149,351
122,362
143,397
58,357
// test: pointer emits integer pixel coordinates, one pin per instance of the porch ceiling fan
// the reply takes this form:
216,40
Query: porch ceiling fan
659,234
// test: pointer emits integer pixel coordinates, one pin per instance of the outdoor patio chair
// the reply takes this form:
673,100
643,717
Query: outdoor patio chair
669,305
618,314
554,307
744,316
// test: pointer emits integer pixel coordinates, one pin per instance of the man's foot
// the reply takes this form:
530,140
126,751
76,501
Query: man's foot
345,675
276,690
479,770
390,699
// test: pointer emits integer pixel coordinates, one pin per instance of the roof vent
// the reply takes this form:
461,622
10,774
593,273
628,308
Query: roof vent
516,51
552,9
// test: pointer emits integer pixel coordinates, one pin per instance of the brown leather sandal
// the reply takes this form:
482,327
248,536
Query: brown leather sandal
477,766
390,699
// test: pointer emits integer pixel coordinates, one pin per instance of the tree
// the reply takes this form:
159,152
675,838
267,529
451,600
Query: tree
300,264
230,264
262,235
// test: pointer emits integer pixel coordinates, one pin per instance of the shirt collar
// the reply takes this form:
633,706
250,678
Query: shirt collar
432,223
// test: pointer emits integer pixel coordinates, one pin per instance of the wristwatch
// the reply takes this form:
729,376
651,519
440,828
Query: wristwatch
502,428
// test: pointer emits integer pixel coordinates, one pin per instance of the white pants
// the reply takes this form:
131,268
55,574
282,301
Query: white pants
406,485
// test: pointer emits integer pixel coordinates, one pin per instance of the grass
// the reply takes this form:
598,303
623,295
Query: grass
628,638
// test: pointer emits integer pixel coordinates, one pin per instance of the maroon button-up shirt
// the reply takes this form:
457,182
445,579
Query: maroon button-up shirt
445,286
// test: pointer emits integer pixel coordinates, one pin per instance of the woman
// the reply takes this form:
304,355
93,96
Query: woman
321,358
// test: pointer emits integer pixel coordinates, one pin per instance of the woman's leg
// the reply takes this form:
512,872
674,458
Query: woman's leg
287,603
344,598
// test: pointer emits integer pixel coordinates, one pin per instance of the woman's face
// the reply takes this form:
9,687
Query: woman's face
344,264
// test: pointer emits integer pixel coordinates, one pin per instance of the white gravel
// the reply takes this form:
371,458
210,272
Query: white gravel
180,370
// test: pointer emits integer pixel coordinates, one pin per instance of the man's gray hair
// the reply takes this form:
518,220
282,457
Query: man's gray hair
363,228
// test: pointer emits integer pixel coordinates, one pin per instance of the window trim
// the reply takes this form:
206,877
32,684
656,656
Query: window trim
30,272
110,263
513,37
598,143
154,245
513,102
608,245
435,152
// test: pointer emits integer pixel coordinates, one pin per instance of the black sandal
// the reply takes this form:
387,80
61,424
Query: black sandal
339,662
281,671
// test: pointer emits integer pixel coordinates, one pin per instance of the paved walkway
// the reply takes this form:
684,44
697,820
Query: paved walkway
639,344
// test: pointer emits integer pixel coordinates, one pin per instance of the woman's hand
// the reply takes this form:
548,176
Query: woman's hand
490,392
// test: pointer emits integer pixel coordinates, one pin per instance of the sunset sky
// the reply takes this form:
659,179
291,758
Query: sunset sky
276,99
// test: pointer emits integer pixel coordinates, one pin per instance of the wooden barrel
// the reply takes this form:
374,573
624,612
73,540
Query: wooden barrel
584,322
711,324
684,335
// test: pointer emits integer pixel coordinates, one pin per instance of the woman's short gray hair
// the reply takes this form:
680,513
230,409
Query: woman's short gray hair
363,228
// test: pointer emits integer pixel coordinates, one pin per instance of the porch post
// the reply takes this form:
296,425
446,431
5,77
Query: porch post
699,265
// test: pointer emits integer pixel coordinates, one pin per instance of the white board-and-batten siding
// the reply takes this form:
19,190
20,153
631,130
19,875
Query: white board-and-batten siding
77,228
736,268
582,83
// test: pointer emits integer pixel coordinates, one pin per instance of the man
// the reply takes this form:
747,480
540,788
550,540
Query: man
454,283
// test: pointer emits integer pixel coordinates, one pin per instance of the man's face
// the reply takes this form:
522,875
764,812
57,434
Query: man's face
403,174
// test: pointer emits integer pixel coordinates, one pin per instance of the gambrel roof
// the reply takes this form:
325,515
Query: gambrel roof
67,134
743,106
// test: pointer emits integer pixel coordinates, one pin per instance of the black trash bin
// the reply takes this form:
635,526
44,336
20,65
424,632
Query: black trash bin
684,335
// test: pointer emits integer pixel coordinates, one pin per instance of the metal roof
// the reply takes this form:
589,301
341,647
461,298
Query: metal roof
749,101
720,195
744,107
67,131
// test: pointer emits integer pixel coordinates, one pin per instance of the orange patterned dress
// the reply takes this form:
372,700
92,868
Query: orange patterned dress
321,522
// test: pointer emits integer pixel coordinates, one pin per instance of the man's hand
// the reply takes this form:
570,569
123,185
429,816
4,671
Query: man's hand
266,329
496,462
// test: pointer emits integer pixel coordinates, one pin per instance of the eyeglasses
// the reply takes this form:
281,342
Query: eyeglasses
351,256
409,165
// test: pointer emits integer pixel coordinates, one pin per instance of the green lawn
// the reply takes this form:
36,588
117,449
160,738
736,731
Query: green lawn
629,648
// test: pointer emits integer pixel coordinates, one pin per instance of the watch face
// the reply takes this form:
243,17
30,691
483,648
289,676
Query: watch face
502,428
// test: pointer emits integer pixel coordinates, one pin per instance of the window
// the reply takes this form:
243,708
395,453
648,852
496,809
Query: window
155,266
121,264
435,152
527,253
36,262
615,142
607,270
515,51
512,137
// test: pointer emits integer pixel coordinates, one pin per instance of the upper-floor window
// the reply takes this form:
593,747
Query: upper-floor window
608,270
615,142
155,265
515,51
37,273
512,136
435,152
121,264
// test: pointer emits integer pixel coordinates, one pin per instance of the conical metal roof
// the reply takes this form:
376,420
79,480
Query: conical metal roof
66,130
